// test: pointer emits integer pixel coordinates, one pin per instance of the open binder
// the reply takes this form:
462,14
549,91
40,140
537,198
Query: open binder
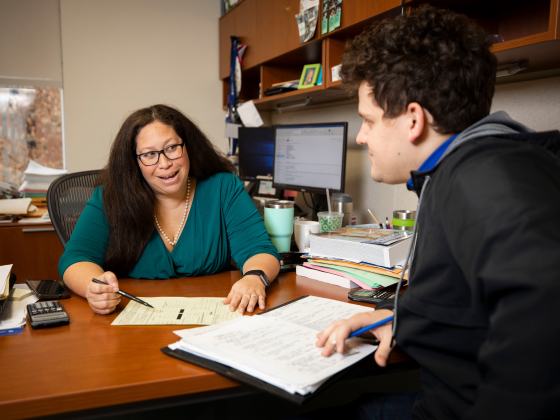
11,283
247,379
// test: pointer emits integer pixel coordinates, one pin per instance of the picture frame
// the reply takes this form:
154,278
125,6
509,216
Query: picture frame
309,76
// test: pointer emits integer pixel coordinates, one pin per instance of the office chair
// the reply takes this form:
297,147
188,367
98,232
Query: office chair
66,199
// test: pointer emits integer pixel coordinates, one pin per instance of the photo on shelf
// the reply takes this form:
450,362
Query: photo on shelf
325,19
309,76
335,14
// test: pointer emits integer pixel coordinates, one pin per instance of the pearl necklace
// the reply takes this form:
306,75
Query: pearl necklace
182,221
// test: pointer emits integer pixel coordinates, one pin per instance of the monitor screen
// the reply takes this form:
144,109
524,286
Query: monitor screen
256,152
310,157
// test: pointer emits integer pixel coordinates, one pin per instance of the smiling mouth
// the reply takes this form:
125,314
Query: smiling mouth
169,177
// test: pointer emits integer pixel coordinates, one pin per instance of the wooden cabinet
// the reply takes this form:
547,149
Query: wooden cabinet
529,29
33,249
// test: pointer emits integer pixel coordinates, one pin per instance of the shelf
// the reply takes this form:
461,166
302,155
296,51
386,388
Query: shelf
319,94
528,27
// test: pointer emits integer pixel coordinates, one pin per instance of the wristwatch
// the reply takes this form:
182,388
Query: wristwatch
261,275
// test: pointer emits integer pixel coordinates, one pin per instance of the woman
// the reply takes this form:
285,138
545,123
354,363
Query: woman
168,206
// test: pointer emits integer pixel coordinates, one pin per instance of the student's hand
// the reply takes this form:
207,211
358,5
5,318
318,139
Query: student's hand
339,331
245,294
103,299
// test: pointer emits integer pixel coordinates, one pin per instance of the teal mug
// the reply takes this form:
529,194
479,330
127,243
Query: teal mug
279,223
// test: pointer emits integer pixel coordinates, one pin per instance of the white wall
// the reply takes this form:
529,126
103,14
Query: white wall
534,103
121,55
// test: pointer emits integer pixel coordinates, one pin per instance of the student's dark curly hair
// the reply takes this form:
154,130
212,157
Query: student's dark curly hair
437,58
129,201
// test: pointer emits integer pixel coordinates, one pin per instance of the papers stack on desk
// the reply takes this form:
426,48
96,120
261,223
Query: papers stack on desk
36,181
276,350
381,247
12,312
357,257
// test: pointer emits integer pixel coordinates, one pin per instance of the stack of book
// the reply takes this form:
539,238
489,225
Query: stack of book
370,258
36,181
13,302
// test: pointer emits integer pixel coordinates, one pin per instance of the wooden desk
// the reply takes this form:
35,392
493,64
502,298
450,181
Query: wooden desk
31,248
90,363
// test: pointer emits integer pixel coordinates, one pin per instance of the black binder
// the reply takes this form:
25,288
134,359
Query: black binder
11,281
244,378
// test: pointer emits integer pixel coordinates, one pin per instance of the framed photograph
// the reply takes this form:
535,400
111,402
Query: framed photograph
309,76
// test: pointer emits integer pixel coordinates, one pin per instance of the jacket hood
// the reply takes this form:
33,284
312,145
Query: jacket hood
498,124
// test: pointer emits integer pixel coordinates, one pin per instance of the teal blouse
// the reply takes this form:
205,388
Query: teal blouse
222,223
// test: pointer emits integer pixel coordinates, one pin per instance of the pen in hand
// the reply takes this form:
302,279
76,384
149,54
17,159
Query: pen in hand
127,295
369,327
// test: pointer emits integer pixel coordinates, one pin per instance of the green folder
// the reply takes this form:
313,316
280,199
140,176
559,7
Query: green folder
374,280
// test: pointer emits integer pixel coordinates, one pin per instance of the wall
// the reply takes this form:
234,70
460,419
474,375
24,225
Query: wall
121,55
534,103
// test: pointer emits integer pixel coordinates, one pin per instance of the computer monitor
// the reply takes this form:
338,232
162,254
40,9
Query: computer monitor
310,157
256,153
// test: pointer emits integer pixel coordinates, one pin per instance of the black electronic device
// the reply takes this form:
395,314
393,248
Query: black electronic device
47,314
310,157
370,296
256,153
48,289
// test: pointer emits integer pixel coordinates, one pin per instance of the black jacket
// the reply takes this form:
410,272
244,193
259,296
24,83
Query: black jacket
482,311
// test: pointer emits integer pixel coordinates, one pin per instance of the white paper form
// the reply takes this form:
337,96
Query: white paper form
176,311
274,350
315,312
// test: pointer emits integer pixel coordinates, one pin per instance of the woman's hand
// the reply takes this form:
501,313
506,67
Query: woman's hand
339,331
103,299
245,294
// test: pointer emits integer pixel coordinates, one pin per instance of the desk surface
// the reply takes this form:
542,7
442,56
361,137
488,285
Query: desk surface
90,363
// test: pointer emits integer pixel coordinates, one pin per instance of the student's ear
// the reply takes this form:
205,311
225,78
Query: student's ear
416,121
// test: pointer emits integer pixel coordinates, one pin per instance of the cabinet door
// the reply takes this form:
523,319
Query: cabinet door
34,252
355,11
239,22
277,27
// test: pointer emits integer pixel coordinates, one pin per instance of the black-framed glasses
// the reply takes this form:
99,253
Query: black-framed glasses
175,151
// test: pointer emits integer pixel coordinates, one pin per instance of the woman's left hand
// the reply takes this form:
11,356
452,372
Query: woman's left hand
245,294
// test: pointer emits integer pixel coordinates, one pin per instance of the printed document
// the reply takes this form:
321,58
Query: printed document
176,311
278,347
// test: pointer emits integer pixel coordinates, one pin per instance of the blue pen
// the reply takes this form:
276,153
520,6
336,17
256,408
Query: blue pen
370,327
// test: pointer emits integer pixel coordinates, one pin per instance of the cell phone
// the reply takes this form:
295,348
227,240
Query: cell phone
370,296
48,289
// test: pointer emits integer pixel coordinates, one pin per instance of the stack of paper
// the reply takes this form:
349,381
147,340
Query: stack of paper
381,247
12,312
36,181
278,347
350,274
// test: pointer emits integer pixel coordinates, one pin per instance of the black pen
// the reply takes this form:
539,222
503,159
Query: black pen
120,292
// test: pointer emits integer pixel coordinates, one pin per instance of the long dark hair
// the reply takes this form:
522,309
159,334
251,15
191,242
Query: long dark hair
128,199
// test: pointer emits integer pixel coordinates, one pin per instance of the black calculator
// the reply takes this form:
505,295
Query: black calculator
47,314
370,296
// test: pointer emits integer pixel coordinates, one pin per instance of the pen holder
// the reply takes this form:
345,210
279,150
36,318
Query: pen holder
403,219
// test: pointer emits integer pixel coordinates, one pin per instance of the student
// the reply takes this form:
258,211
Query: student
480,315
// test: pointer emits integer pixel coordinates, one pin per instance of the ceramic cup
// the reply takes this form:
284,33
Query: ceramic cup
330,220
279,223
302,229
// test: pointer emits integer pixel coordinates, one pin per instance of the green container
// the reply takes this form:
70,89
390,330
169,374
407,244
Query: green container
279,223
403,219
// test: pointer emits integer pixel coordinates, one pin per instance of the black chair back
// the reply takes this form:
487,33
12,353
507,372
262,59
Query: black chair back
66,199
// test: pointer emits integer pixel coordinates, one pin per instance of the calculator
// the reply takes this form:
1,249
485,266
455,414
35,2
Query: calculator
370,296
47,314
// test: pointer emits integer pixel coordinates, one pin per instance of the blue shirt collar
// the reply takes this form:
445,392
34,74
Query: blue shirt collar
434,158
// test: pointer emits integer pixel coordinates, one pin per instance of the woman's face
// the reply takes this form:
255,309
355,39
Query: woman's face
167,177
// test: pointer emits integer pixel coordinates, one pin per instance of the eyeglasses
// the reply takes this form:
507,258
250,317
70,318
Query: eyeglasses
175,151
